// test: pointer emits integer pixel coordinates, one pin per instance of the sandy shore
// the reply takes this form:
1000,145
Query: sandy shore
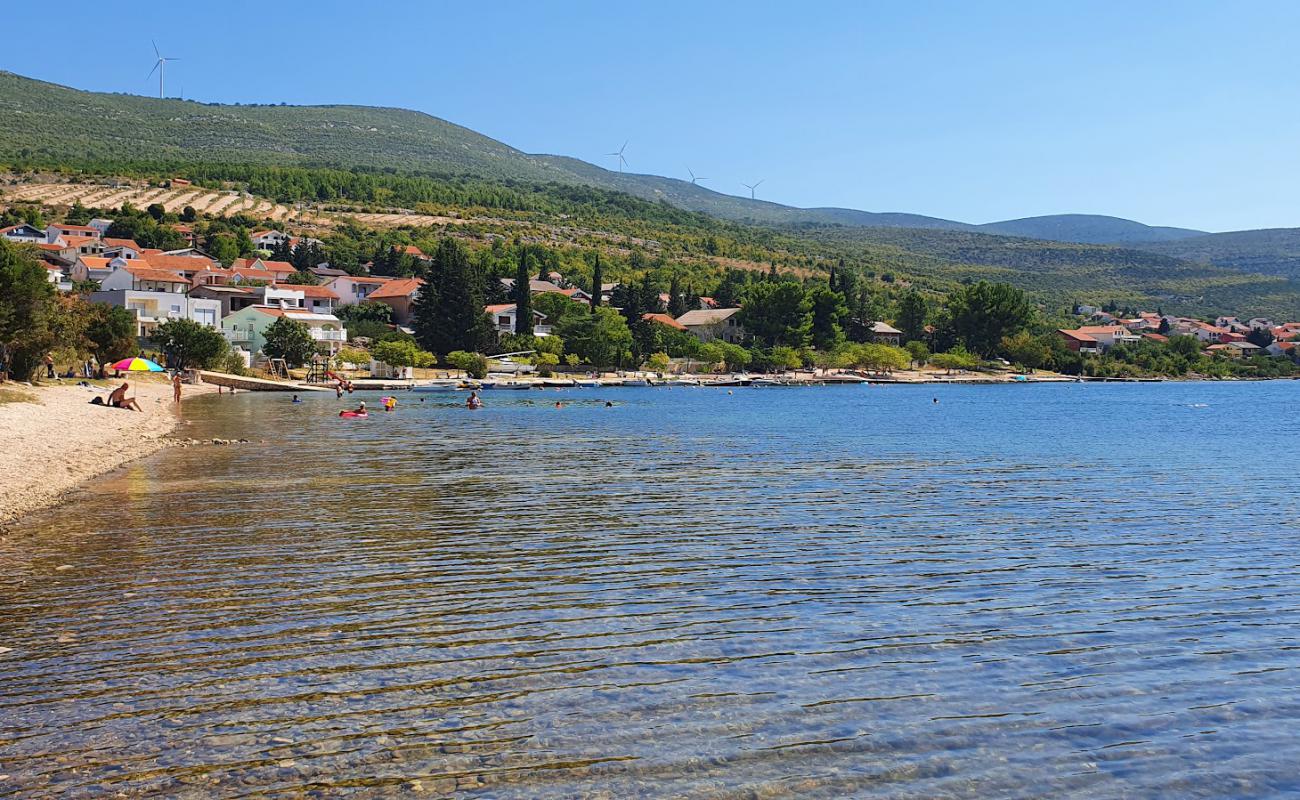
60,441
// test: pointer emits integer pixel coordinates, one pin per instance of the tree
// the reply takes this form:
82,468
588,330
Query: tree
353,355
77,215
448,312
401,353
601,338
290,340
28,309
982,313
911,316
188,343
778,314
157,211
1262,337
733,355
597,290
676,299
558,307
659,362
523,296
828,309
474,364
1026,350
918,351
1163,330
879,357
188,214
110,332
784,358
956,358
365,311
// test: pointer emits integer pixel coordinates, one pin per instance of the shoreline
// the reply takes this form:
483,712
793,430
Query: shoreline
57,442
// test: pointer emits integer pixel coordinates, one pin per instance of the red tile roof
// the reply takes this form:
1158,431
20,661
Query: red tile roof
402,287
154,274
183,263
664,319
308,291
122,243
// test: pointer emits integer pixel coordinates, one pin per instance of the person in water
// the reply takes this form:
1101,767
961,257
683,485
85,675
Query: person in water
608,404
473,401
295,399
361,409
558,404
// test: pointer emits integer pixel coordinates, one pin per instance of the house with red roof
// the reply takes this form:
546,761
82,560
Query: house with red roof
246,328
504,315
665,320
399,294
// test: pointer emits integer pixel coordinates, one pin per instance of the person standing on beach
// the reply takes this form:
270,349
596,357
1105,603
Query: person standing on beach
49,365
176,387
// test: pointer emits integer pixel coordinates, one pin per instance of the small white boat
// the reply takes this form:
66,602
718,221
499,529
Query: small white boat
440,385
763,382
681,382
635,382
587,382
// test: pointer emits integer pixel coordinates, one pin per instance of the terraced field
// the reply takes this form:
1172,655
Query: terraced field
205,201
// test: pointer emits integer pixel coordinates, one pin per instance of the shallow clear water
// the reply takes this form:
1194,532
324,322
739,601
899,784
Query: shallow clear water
1067,591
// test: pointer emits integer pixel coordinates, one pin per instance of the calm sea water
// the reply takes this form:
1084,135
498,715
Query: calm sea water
1024,591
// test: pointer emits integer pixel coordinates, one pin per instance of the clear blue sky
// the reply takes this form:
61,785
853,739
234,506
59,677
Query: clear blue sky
1178,113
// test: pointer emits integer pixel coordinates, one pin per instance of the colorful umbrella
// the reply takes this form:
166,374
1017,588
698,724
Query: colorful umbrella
136,365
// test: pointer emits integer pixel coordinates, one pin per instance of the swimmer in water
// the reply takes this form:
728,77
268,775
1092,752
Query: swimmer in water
558,404
608,404
295,399
936,400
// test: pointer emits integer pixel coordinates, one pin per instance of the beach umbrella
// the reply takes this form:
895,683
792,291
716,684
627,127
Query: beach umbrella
136,365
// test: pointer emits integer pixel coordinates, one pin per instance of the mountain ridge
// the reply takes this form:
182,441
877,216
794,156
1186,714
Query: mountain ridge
43,120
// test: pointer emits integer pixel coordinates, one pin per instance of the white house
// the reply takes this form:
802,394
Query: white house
23,234
268,240
95,268
246,328
504,315
153,307
714,323
145,279
100,224
55,230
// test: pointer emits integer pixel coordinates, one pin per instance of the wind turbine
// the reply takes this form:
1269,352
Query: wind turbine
694,179
622,162
160,66
752,186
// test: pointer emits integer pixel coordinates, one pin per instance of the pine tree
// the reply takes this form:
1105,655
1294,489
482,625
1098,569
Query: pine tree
676,300
448,313
597,276
523,296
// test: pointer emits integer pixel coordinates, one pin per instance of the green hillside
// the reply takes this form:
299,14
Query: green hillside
376,158
1087,229
1271,251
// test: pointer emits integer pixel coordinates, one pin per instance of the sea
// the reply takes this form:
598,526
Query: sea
935,591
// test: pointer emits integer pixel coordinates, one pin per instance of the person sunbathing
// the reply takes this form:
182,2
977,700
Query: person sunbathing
118,399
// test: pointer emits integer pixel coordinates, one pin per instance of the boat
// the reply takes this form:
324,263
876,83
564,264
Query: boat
551,383
681,382
439,385
764,382
587,382
514,385
636,382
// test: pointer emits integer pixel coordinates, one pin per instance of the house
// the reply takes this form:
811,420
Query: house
1155,337
1260,324
24,234
189,265
126,248
1244,348
100,224
410,250
186,231
1079,342
145,279
665,320
716,323
231,298
1107,336
279,269
246,328
268,240
57,229
318,299
886,334
95,268
400,295
353,289
1281,349
152,308
503,319
81,245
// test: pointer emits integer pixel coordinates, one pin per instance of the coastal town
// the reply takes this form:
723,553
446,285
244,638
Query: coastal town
243,299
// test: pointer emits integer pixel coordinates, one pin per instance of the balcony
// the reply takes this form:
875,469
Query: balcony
237,337
328,336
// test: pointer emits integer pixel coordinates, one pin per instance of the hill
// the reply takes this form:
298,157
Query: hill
1087,229
44,124
1271,251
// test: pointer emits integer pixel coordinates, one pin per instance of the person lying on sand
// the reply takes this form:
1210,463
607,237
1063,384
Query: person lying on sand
118,399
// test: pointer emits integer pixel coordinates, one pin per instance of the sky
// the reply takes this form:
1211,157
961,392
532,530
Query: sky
1170,113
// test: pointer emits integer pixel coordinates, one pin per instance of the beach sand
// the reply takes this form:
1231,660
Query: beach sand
60,441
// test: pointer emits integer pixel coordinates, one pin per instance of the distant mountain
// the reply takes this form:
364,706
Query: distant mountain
1271,251
1087,229
43,123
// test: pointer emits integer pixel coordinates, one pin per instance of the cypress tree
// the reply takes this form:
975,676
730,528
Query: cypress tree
523,297
449,311
597,276
676,300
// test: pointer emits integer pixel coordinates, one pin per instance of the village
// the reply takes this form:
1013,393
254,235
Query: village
243,300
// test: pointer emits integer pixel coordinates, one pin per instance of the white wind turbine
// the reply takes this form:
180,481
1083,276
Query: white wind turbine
622,162
160,66
695,179
752,186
